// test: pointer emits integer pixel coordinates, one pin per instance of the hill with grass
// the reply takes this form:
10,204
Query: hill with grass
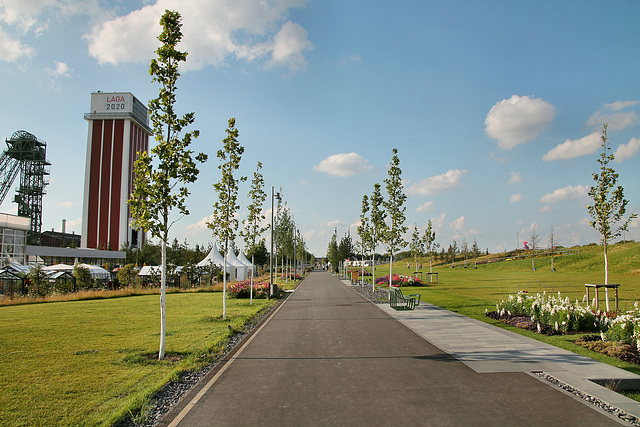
624,259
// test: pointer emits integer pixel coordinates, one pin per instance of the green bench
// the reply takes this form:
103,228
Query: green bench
399,301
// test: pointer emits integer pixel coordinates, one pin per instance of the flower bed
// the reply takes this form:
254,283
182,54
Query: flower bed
399,280
242,289
619,333
553,312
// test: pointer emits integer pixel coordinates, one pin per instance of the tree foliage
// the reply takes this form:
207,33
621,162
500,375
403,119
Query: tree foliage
609,205
252,226
39,285
393,232
332,252
225,223
429,239
161,178
417,246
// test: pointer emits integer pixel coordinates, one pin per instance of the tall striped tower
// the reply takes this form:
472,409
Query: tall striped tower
118,130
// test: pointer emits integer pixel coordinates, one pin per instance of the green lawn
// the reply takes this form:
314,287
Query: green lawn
89,362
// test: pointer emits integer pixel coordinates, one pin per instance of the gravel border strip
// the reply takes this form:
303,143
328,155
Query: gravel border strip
631,419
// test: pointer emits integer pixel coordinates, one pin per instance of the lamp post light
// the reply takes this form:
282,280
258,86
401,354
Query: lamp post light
271,254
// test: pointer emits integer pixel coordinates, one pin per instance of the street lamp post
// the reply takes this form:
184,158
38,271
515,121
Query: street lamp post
271,254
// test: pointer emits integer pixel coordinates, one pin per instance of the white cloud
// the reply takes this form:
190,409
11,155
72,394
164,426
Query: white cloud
458,225
66,204
213,32
200,225
515,198
439,221
515,178
518,120
610,113
12,49
438,184
626,151
425,207
343,165
574,148
335,223
545,209
61,70
289,45
566,193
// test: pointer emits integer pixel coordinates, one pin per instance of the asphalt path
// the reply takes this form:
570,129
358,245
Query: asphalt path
330,357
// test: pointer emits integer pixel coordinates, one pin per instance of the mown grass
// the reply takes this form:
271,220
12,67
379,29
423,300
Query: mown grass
90,362
471,292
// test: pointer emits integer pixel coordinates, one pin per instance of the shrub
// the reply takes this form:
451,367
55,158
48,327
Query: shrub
242,290
38,282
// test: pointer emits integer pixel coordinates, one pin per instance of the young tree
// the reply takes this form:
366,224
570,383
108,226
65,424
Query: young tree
476,251
465,251
429,239
225,223
395,208
39,285
252,228
332,252
417,246
161,178
534,239
364,229
609,205
552,246
376,230
453,248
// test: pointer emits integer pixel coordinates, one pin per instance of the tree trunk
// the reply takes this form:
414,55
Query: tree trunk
373,271
224,281
390,268
163,287
253,267
606,277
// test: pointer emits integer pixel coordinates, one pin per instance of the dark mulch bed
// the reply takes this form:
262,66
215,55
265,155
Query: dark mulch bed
625,352
523,322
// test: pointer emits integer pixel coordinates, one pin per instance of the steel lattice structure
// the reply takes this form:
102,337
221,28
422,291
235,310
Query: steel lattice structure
27,154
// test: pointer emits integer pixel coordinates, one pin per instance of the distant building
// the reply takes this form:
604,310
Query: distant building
118,131
60,239
13,238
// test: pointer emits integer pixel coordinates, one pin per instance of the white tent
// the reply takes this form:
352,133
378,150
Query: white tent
214,257
241,271
156,270
245,261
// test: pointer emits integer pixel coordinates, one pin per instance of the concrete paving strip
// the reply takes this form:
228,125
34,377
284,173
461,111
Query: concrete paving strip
488,349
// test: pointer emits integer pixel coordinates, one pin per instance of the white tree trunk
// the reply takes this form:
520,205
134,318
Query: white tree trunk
253,267
163,287
606,277
390,269
224,285
373,271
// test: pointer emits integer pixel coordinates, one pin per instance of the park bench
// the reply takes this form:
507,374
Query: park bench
399,301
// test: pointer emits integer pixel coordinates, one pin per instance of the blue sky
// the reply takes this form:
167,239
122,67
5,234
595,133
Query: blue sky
495,107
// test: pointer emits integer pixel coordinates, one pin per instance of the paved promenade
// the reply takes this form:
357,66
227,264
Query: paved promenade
330,357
